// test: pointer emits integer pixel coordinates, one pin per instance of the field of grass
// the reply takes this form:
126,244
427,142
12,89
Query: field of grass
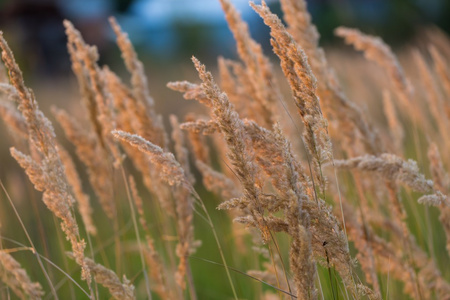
311,175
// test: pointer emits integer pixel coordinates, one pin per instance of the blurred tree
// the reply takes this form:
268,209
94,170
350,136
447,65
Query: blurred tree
37,28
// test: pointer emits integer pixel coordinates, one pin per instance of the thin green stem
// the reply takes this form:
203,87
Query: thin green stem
136,229
209,221
41,265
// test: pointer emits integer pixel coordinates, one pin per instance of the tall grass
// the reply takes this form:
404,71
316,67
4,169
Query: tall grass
328,200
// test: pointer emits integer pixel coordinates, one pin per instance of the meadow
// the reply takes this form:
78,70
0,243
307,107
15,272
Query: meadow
306,174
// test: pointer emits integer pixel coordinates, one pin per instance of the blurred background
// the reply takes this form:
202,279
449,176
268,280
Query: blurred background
167,32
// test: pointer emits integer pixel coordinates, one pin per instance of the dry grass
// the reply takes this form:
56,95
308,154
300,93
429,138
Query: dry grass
339,211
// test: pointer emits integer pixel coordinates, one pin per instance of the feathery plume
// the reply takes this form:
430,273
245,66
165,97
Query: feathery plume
151,127
94,88
437,199
233,130
47,172
165,162
296,15
358,233
16,278
132,118
298,220
396,129
262,83
180,150
90,152
184,206
197,142
84,205
3,74
201,127
377,51
122,98
440,177
110,280
392,168
337,108
435,100
233,87
303,86
191,91
217,182
442,70
441,183
14,120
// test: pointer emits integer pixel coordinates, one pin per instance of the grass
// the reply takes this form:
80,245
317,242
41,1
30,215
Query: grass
317,197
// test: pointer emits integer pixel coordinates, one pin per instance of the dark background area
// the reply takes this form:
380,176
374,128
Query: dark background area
171,31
